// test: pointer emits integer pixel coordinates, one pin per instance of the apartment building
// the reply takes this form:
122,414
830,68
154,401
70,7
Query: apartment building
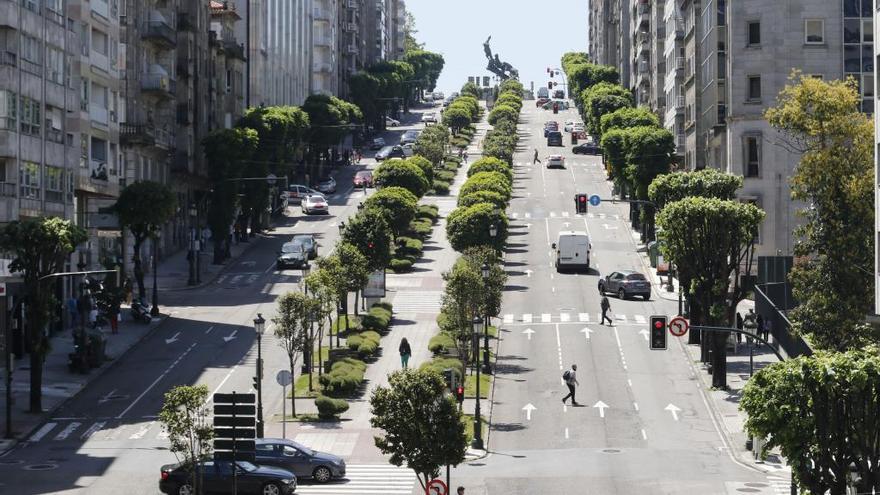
876,35
349,42
673,80
325,47
693,147
395,28
374,37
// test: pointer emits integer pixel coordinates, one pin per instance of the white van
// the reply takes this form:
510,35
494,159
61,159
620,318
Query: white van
573,250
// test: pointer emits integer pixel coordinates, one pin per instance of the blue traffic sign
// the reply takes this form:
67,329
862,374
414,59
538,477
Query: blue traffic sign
595,200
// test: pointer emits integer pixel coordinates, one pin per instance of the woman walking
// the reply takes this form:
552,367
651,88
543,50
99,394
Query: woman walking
405,353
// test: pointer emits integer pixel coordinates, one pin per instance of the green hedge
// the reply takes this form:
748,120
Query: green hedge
378,319
407,246
366,343
441,343
438,364
445,176
452,158
430,212
482,197
344,378
451,166
440,187
330,408
401,265
421,228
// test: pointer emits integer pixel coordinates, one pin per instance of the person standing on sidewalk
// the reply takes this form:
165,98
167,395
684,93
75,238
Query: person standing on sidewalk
606,306
405,353
73,309
570,379
464,155
535,159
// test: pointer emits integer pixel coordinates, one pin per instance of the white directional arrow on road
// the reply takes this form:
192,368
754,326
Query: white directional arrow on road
674,410
172,339
587,331
602,406
609,227
644,333
528,332
567,224
528,273
231,336
528,408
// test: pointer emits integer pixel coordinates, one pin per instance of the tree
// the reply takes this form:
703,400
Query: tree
614,148
470,89
707,183
487,181
469,102
426,68
186,418
649,152
321,289
468,227
510,86
431,144
625,118
281,131
347,271
365,91
601,99
410,44
39,248
503,112
143,207
397,205
425,165
493,285
422,426
821,412
490,164
370,234
461,301
331,119
456,118
295,313
833,276
475,197
401,173
711,241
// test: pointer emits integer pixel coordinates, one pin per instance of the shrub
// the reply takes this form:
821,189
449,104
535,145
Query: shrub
330,408
400,265
482,197
430,212
407,246
446,176
469,227
397,205
421,228
367,349
377,319
488,181
424,164
354,341
490,164
451,166
401,173
344,377
438,364
452,158
441,343
384,305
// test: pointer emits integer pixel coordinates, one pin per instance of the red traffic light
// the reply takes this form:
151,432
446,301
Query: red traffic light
370,245
658,324
582,199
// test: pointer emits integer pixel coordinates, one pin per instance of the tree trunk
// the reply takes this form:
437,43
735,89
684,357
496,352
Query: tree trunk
357,293
345,309
330,327
36,393
218,250
139,268
719,360
293,389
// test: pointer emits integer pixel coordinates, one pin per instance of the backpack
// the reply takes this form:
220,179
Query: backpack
567,375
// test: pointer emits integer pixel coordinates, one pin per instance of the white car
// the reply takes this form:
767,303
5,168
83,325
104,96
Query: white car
315,204
568,124
556,161
389,122
429,117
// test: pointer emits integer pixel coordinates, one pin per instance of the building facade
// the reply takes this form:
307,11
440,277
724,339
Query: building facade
325,54
349,42
395,28
374,37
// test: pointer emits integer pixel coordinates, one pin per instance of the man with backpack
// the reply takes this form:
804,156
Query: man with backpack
570,379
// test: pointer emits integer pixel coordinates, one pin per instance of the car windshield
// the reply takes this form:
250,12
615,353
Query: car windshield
246,466
301,239
292,247
302,448
635,276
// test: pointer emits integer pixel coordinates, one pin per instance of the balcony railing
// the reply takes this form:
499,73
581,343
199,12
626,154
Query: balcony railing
351,4
234,49
352,49
321,15
351,27
643,67
144,134
7,189
680,140
323,40
8,58
679,63
679,102
160,32
158,84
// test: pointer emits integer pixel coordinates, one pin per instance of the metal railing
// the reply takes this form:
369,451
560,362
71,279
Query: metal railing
158,83
8,58
160,30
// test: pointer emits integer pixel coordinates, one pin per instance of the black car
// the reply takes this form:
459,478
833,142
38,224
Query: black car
293,255
299,459
309,243
588,148
626,283
176,479
554,138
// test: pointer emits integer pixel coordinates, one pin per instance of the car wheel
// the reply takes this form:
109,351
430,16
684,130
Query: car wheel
185,489
621,294
271,488
322,474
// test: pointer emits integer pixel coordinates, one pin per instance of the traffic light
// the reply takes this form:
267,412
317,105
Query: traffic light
370,245
256,383
580,202
449,378
459,394
658,333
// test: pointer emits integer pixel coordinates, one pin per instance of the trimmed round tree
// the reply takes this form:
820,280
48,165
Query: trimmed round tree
397,205
369,232
469,227
490,164
424,164
483,197
402,173
456,117
488,181
503,112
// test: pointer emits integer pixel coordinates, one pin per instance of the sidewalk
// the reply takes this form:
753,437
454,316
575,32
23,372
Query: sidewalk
60,384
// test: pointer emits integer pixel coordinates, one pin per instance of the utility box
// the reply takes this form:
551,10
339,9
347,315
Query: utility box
653,253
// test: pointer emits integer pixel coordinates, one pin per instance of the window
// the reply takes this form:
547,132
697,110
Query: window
228,81
30,49
54,184
753,34
867,31
752,156
868,58
852,31
851,58
99,42
30,116
8,106
814,31
754,88
851,8
755,202
722,15
55,65
29,178
868,85
818,76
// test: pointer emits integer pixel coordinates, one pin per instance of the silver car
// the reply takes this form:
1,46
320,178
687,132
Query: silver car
626,283
299,459
315,204
326,185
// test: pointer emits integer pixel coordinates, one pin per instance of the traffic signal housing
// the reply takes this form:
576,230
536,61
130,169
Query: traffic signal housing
657,332
580,202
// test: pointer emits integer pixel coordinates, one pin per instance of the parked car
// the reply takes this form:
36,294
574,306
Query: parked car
299,459
409,149
363,177
409,136
326,185
315,204
292,255
377,143
568,124
389,122
429,118
626,283
296,192
217,475
588,148
555,161
309,242
390,152
577,127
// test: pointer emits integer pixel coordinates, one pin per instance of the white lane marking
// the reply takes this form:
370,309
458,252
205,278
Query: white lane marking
601,406
527,318
139,397
143,431
107,397
620,318
209,329
545,318
552,214
514,215
644,333
528,332
173,339
92,430
629,382
565,215
63,434
564,317
640,318
674,410
582,317
587,331
644,434
508,318
566,433
547,228
221,384
636,406
230,337
527,215
42,432
528,408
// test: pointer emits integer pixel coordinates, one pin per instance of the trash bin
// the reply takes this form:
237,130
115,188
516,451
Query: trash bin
96,347
653,253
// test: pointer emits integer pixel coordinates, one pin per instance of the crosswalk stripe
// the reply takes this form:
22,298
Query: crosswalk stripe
514,215
143,431
63,434
528,215
583,317
417,301
545,317
92,430
564,317
564,214
620,317
366,479
508,318
552,214
42,432
527,318
640,319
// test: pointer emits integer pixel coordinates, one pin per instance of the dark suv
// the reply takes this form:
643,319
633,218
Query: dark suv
626,283
299,459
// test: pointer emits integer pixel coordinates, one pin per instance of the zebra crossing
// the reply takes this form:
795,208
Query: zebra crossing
417,301
238,279
97,430
781,485
529,318
366,479
563,214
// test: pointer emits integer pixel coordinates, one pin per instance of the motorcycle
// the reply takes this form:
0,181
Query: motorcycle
140,311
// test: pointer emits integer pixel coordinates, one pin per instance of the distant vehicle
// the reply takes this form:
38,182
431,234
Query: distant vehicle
363,177
626,283
296,192
541,102
429,118
326,185
315,204
292,255
555,161
573,250
438,95
299,459
588,148
409,136
577,127
567,126
217,476
563,104
387,152
389,122
309,242
554,138
377,143
550,127
543,92
558,94
409,149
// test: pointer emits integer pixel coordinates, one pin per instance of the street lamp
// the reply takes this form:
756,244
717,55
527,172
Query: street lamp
259,329
484,271
478,427
493,232
154,311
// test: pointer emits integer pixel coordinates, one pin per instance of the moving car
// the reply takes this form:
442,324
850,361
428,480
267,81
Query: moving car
217,475
299,459
550,126
296,192
389,122
567,126
555,161
558,94
554,138
409,136
588,148
438,95
626,283
326,185
390,152
308,242
377,143
429,118
563,104
363,177
573,250
315,204
543,92
293,255
541,101
577,127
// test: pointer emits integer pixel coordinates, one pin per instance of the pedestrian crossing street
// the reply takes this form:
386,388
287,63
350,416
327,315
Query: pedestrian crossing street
562,214
367,479
417,301
528,318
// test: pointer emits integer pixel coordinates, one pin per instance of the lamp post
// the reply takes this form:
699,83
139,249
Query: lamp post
478,427
154,311
194,233
487,368
493,232
259,329
341,228
307,353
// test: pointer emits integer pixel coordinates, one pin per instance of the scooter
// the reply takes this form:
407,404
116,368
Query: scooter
141,311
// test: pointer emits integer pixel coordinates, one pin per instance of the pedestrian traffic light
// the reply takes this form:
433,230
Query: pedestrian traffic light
658,333
370,245
459,394
580,202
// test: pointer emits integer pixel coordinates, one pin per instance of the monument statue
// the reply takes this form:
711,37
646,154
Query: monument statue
502,69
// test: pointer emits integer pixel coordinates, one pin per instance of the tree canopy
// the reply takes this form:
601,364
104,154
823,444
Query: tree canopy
402,173
625,118
601,99
708,183
370,234
397,205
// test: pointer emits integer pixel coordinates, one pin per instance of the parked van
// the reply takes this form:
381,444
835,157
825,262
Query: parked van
573,250
543,92
554,138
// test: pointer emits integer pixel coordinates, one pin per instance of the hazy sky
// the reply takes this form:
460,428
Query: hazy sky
529,35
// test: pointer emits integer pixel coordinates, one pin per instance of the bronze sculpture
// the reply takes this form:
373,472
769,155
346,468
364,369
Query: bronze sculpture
502,69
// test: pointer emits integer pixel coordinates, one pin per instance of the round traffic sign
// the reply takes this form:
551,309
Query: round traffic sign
595,200
283,378
678,326
436,487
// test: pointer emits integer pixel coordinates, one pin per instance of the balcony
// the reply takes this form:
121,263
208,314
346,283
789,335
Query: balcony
644,14
144,135
323,40
643,67
233,49
679,63
7,189
679,102
323,67
8,58
159,31
159,85
351,27
98,114
353,49
352,4
101,8
320,15
680,140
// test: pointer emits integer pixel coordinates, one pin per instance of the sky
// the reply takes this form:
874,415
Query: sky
525,34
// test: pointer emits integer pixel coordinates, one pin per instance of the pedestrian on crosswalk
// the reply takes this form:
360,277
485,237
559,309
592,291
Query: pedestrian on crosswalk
536,160
405,353
459,491
606,307
570,378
